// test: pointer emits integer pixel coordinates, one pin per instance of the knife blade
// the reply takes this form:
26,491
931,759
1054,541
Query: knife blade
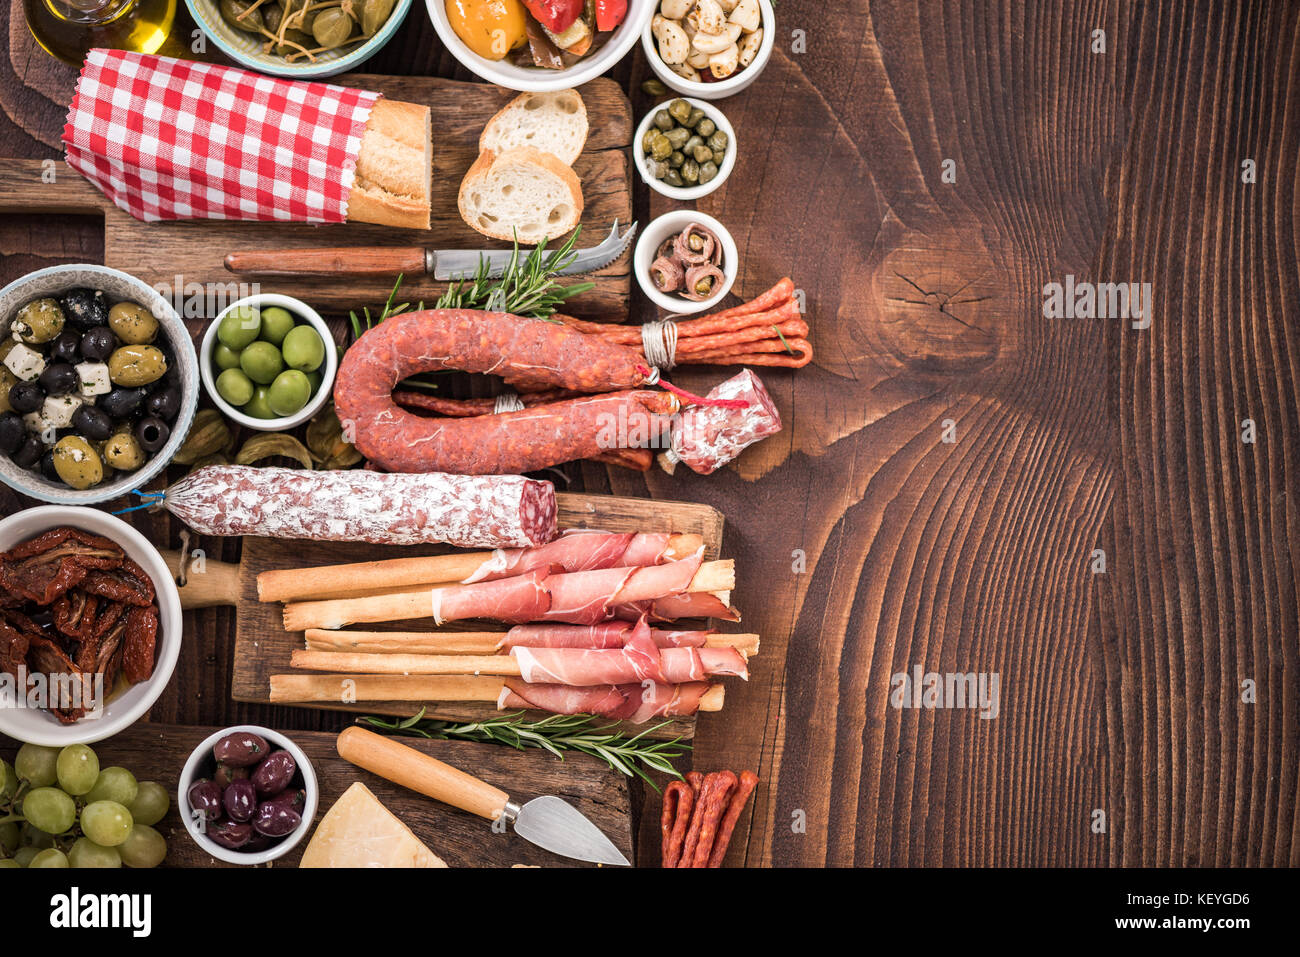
549,822
442,264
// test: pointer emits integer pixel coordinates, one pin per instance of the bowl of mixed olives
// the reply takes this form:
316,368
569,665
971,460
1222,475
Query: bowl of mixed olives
268,362
247,795
685,148
299,38
98,384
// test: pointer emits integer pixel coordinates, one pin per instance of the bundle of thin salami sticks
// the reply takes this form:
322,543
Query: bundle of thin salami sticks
586,610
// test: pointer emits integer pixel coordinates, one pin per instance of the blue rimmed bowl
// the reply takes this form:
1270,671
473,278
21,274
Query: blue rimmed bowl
246,48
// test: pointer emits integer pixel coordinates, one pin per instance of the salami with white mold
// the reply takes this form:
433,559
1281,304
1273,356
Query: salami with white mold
498,511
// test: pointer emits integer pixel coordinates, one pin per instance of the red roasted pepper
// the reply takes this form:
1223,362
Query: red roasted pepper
556,15
609,14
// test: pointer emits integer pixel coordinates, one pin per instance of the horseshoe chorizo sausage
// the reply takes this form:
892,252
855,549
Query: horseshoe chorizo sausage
530,355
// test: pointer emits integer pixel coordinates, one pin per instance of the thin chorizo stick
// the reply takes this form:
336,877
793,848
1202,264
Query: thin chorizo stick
698,784
717,788
679,801
748,781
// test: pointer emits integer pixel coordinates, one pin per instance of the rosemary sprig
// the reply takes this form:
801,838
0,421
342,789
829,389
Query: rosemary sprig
526,288
557,733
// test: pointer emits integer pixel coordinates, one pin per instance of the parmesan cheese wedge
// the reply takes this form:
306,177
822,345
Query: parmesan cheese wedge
358,831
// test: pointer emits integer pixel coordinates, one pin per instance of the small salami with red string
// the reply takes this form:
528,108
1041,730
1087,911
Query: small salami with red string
734,416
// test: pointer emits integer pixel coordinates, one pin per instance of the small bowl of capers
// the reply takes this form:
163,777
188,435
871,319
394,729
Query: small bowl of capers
98,384
685,148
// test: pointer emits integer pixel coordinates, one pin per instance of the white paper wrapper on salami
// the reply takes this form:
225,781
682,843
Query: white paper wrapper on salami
490,511
707,437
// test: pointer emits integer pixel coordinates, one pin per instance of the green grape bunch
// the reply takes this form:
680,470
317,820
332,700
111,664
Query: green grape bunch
59,808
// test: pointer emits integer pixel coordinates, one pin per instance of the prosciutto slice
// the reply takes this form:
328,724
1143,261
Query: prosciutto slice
672,607
582,598
576,551
635,703
610,634
638,660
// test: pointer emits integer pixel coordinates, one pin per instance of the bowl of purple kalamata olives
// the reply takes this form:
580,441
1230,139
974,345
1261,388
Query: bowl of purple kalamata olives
98,384
247,795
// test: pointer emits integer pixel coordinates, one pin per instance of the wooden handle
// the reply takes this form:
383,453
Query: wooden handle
207,585
420,772
358,261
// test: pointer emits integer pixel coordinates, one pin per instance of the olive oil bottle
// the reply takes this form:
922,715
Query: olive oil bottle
67,29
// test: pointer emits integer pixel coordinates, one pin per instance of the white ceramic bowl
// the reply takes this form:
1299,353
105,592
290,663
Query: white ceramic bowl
722,88
536,79
669,224
40,727
119,287
246,48
202,764
685,193
301,311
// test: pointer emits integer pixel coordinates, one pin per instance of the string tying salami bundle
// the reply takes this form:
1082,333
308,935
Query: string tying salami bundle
581,390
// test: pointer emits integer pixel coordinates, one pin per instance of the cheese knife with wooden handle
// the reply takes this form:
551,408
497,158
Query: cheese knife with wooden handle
549,822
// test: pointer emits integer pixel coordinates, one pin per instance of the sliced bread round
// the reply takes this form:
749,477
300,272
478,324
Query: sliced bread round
523,191
552,122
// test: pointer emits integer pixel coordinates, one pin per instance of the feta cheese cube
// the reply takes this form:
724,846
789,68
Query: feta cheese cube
58,410
25,362
94,378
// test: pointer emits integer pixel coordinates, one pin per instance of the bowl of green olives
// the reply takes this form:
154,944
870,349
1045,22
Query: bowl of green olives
299,38
685,148
98,384
268,362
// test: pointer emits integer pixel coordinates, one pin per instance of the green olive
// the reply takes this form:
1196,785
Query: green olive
122,451
718,140
680,110
77,462
289,393
240,326
708,171
233,10
261,362
258,406
332,28
690,172
39,321
225,357
133,323
235,387
134,366
303,349
276,323
7,381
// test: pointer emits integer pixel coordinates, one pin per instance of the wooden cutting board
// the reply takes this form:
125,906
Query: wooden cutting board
158,752
160,252
263,647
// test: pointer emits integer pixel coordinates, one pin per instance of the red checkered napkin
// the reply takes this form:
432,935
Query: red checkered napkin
172,139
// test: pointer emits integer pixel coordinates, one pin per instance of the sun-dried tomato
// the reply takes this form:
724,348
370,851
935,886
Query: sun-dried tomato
74,614
128,584
137,650
13,648
47,566
93,547
49,659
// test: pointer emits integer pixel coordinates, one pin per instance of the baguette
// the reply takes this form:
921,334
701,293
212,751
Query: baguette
394,167
552,122
524,191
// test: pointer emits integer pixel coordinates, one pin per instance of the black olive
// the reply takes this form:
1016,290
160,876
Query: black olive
93,423
65,348
85,308
98,344
12,432
47,467
121,403
26,397
152,433
165,403
60,378
29,453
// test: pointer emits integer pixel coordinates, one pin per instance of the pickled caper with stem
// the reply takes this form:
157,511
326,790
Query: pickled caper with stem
237,14
332,28
374,14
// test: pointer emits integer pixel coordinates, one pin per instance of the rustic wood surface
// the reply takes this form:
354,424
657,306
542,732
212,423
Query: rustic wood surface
922,170
158,752
263,648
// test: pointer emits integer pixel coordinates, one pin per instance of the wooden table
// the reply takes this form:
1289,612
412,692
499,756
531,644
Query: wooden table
954,463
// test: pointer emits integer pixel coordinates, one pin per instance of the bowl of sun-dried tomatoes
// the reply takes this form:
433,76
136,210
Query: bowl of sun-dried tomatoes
90,625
